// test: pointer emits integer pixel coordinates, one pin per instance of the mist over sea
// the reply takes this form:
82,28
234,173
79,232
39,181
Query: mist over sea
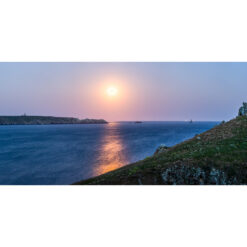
63,154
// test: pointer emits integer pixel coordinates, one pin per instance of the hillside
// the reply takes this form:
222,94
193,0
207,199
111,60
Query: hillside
40,120
217,156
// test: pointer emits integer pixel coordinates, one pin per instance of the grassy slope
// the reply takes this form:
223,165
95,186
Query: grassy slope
217,156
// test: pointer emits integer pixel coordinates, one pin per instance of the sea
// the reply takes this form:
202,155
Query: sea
64,154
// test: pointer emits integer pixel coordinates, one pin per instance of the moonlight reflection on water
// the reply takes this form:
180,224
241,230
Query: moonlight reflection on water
111,155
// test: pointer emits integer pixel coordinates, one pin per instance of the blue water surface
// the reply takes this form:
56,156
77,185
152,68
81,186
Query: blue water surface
63,154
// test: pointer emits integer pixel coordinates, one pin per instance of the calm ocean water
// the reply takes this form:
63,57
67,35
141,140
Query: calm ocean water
63,154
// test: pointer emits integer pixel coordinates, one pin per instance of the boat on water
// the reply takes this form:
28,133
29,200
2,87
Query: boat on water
138,122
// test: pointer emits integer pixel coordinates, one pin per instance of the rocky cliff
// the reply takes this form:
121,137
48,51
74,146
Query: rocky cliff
217,156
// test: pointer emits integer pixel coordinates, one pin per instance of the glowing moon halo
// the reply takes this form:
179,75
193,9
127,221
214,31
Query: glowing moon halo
111,91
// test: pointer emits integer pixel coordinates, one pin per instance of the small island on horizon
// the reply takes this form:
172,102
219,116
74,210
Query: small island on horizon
46,120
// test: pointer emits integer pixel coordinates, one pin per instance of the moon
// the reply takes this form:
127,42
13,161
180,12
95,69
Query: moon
111,91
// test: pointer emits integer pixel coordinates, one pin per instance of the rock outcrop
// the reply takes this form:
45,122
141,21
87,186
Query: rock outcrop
161,149
243,110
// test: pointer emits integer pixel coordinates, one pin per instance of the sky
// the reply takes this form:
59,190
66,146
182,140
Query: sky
145,91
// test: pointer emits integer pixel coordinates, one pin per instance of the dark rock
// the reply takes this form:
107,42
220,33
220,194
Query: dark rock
161,149
181,174
243,110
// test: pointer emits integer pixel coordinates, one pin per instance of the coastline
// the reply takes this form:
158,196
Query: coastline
46,120
217,156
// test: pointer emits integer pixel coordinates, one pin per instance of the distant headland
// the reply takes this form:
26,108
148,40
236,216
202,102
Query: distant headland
46,120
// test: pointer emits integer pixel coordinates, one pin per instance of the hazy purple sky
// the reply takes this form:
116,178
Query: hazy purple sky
146,91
